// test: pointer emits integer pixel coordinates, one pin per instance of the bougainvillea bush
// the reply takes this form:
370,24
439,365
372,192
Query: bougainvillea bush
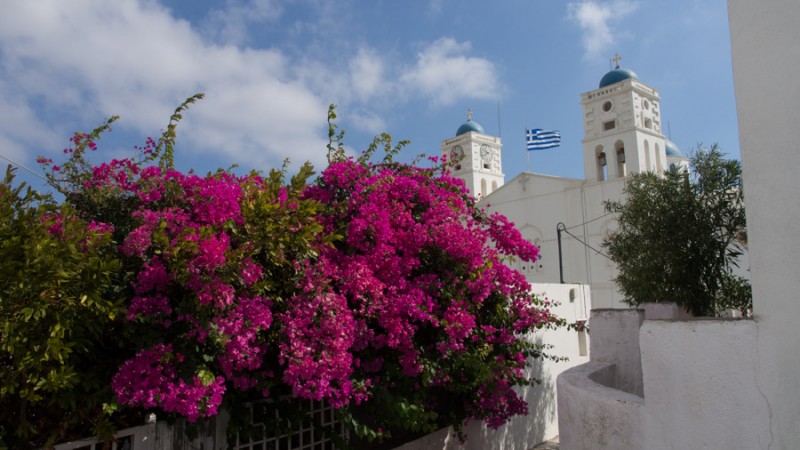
419,319
378,287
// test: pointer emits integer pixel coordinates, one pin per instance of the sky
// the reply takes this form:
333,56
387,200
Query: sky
270,68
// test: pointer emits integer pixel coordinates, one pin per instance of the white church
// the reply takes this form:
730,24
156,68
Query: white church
622,135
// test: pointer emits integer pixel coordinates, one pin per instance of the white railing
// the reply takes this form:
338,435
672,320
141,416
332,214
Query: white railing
138,438
212,435
304,436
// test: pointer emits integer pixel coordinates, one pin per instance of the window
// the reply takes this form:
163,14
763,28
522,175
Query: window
610,125
619,147
601,163
648,123
607,106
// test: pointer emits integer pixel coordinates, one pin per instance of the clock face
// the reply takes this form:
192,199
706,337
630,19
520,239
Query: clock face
456,153
486,152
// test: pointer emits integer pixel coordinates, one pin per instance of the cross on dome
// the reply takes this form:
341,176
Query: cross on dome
469,114
617,74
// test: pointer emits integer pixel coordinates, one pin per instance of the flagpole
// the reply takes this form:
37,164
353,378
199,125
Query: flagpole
528,151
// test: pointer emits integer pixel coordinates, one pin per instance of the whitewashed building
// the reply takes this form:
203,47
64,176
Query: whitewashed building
622,135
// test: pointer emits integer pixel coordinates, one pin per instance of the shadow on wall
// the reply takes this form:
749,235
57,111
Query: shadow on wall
522,432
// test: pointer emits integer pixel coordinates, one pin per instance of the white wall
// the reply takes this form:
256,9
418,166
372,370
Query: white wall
699,389
766,63
615,340
600,404
699,386
593,416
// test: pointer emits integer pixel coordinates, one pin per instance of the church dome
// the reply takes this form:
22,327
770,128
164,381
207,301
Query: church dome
617,75
672,150
470,125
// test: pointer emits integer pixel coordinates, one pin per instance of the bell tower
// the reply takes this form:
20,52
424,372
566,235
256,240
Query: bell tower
475,158
622,127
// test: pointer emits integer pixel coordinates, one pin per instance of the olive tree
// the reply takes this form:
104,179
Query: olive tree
680,234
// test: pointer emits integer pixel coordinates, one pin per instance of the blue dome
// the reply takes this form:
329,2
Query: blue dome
673,150
469,125
617,75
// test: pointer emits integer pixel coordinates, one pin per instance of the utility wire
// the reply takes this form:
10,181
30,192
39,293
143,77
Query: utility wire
590,221
587,245
23,167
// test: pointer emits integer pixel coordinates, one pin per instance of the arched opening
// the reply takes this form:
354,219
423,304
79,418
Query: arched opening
619,148
600,157
647,166
658,159
494,186
483,188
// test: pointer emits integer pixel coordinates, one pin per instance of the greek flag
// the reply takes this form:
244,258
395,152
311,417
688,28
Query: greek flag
538,139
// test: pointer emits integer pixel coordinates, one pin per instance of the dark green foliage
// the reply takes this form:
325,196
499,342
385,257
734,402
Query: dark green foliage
678,236
58,321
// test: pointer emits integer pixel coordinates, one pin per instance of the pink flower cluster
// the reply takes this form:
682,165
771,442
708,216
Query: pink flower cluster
195,283
150,380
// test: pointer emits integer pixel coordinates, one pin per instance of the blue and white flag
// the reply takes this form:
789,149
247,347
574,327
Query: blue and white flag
538,139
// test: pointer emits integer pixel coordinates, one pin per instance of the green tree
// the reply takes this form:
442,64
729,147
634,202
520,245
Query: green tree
679,236
58,319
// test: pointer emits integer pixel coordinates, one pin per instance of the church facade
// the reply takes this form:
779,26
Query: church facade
622,136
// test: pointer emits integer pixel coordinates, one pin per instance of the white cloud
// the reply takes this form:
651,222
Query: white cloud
88,59
368,122
231,23
366,74
444,73
596,19
21,130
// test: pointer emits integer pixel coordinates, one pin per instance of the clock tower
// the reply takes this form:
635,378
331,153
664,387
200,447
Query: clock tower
475,158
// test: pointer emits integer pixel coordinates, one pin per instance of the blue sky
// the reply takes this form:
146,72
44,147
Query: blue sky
270,68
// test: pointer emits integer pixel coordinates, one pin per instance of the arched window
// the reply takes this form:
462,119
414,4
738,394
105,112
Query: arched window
619,148
658,159
647,165
483,188
494,186
600,157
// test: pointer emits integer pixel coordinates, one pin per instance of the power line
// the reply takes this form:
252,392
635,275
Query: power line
587,245
23,167
590,221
